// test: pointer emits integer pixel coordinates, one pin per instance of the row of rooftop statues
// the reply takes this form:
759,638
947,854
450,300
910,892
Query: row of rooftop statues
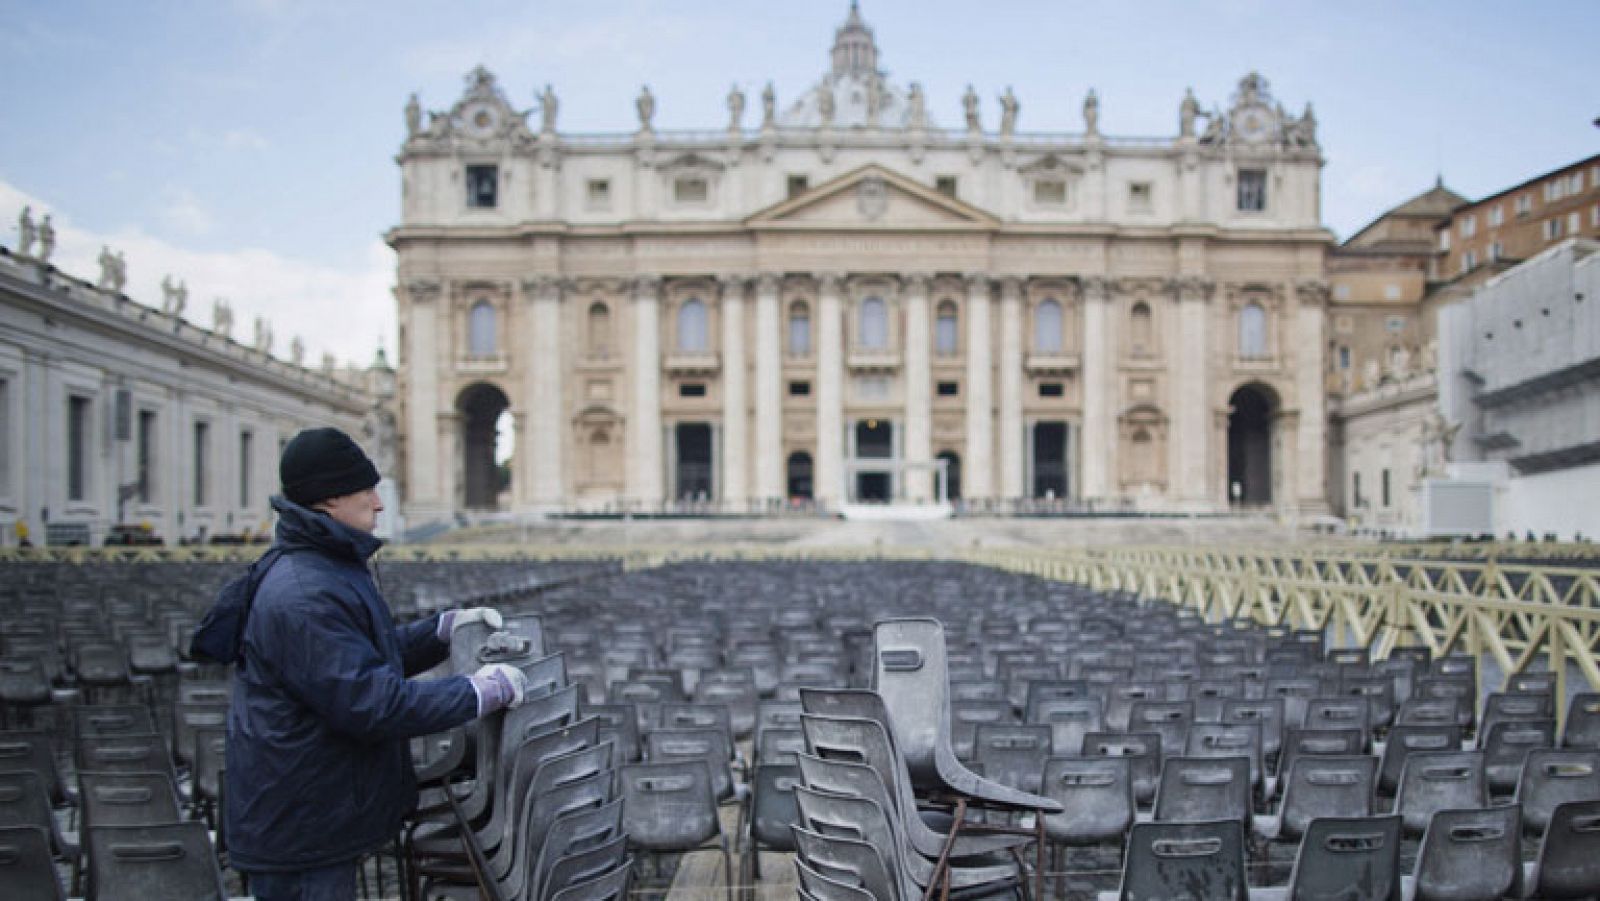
875,95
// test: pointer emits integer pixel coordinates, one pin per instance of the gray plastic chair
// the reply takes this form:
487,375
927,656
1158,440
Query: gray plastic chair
138,863
26,869
1506,745
1555,776
672,807
1069,719
1013,755
1183,860
1143,752
1582,729
613,885
910,675
1344,858
1228,740
814,884
1439,780
127,799
1204,788
1568,865
1469,855
860,860
582,828
1096,797
1317,787
1405,739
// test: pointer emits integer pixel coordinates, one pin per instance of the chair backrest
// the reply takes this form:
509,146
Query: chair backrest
773,809
1204,788
585,865
1266,711
1013,755
1326,786
1582,729
840,854
1096,796
188,716
1227,740
1143,751
30,752
1169,718
668,806
1344,857
1569,856
1185,860
136,863
112,719
1507,744
854,817
815,886
1552,776
714,746
1404,739
613,885
1343,712
26,870
779,745
1069,718
1503,705
1439,780
123,753
1313,742
574,831
620,724
1470,854
909,674
127,799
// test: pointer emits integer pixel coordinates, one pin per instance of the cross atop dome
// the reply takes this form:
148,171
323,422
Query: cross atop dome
854,50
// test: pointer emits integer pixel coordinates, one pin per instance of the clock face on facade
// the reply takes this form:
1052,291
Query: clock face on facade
481,120
1252,123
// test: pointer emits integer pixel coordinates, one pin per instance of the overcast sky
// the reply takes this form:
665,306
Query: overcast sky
248,145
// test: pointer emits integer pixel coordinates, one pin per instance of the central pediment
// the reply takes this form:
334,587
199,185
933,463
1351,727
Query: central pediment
873,198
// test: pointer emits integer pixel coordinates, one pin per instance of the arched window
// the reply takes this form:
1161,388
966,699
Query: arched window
874,324
1047,327
599,330
1141,331
799,329
1252,331
1344,357
946,336
693,330
481,330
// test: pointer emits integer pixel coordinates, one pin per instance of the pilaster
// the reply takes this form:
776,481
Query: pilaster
644,423
829,481
545,431
1190,462
735,454
1011,461
769,390
977,471
1099,437
919,393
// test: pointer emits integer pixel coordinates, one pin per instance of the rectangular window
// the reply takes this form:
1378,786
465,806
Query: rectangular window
690,190
1497,215
1050,192
1444,239
78,411
946,337
1594,176
1394,324
1386,488
1139,196
799,389
946,185
1391,292
1524,204
1594,216
1552,229
599,194
1051,389
246,442
145,459
1495,250
1355,489
692,389
949,389
1574,222
1469,226
798,184
202,462
1575,183
1252,190
482,185
1344,357
1469,261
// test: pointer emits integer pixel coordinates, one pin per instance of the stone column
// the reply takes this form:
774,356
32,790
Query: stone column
828,483
644,423
425,495
919,390
1011,388
769,390
977,470
1190,460
1098,444
546,427
735,409
1310,344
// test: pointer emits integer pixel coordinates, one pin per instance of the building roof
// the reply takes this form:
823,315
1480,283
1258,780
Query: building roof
1438,202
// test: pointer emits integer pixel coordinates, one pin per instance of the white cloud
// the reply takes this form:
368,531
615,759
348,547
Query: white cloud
344,311
243,139
184,213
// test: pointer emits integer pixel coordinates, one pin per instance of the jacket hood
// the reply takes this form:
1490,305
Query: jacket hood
301,527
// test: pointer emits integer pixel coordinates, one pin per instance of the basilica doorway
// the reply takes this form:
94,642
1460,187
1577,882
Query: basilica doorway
1251,411
874,441
798,473
1049,460
693,461
486,445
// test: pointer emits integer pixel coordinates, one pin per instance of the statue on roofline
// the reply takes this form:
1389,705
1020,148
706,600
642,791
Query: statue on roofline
969,105
548,107
646,105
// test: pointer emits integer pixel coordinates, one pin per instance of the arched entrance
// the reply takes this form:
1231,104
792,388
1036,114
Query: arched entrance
798,472
1251,411
952,474
486,445
874,441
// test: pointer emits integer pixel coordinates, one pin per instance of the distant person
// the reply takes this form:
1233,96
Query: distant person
318,758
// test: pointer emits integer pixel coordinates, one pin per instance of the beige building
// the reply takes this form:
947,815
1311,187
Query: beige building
839,299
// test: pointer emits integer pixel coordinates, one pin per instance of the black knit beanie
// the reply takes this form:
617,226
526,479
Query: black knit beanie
321,463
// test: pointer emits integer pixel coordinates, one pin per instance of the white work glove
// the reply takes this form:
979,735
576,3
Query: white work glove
451,620
498,686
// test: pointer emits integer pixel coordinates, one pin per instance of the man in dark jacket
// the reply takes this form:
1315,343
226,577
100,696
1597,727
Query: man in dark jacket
318,759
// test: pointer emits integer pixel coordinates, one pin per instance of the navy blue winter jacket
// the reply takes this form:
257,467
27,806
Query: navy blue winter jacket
318,761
